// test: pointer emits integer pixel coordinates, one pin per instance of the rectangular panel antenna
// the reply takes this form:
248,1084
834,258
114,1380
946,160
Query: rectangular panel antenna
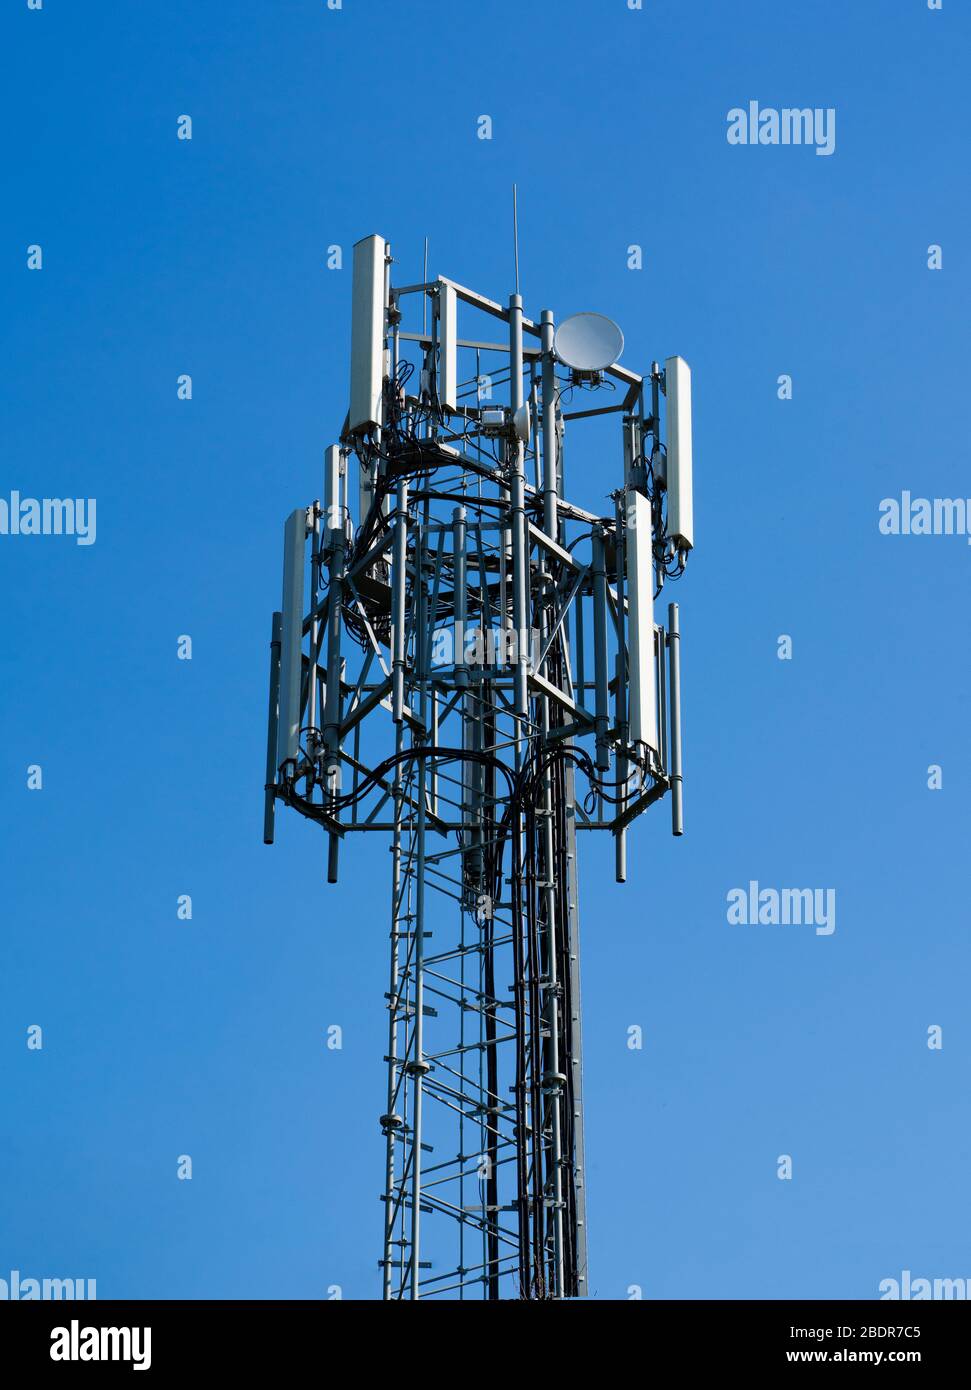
448,388
367,333
332,488
677,389
365,490
291,635
640,598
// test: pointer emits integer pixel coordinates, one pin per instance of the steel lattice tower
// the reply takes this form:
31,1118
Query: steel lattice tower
473,668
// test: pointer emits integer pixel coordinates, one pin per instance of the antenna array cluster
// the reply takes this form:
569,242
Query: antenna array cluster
470,663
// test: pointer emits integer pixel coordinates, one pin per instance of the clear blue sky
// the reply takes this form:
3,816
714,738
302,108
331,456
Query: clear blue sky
164,257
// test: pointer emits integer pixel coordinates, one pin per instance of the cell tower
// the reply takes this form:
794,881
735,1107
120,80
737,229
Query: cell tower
467,662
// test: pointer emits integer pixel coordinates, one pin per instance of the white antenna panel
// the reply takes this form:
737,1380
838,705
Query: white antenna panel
677,389
367,333
448,386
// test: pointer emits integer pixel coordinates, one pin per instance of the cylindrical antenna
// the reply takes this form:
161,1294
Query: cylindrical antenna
424,296
515,234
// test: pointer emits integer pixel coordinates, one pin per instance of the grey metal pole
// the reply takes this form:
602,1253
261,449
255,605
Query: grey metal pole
553,1080
461,596
418,1065
332,707
515,351
620,701
662,700
674,660
272,727
517,516
315,558
399,609
534,417
393,1122
571,890
549,425
600,648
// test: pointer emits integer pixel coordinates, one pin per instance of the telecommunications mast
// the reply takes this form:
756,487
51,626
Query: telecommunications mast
469,663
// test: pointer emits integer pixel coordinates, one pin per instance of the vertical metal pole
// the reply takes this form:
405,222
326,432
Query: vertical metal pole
522,605
581,682
399,614
635,473
392,1121
600,648
520,554
332,709
534,417
662,700
314,631
549,425
620,835
460,596
418,1065
515,351
316,565
272,727
571,889
620,852
433,790
552,1078
674,659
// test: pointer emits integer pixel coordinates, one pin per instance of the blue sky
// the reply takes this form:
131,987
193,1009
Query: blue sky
162,257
